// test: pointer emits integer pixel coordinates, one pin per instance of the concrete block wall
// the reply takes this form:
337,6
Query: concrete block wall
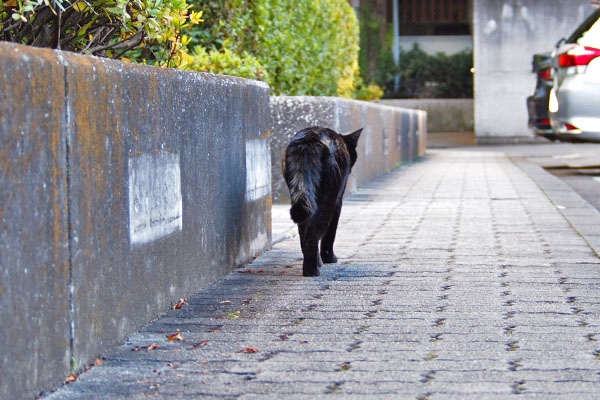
443,115
391,135
122,189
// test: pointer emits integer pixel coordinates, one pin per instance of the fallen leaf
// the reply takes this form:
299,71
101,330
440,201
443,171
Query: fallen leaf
248,301
248,350
136,349
97,362
260,271
174,336
247,271
233,315
201,344
172,365
153,346
202,362
225,302
180,304
284,337
71,378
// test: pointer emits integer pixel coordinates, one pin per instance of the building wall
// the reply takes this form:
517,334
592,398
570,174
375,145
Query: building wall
435,44
506,34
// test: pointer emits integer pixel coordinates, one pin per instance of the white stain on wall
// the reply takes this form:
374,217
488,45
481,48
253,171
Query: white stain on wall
155,205
258,169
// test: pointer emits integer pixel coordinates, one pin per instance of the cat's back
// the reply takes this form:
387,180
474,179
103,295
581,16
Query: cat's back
317,140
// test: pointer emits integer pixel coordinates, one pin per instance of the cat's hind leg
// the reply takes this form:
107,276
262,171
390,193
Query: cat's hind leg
310,250
327,253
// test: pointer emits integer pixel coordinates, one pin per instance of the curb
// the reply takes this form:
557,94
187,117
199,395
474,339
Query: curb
582,216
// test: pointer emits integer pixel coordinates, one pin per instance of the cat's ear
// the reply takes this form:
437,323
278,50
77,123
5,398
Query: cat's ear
351,139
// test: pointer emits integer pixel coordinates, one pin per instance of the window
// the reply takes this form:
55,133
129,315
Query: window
434,17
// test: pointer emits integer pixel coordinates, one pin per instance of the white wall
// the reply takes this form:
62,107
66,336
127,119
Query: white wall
434,44
505,36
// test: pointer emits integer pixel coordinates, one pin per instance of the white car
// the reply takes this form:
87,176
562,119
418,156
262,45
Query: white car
574,104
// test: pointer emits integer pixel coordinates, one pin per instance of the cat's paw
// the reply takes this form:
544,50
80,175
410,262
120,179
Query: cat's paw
311,272
329,258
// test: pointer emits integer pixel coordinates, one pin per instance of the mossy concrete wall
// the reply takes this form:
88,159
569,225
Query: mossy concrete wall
123,188
443,115
391,135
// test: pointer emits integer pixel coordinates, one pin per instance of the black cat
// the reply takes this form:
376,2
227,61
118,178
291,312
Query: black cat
316,167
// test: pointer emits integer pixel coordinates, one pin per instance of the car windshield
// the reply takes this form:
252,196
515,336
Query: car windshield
588,33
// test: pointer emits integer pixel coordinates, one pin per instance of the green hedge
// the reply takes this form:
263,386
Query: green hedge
423,75
149,31
299,47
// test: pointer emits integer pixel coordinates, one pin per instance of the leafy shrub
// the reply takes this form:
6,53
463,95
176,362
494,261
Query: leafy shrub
107,28
435,76
227,62
299,47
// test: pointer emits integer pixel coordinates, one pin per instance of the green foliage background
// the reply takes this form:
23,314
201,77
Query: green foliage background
376,60
422,75
418,75
299,47
149,31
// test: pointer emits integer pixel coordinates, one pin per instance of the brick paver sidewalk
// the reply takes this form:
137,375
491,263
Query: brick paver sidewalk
467,275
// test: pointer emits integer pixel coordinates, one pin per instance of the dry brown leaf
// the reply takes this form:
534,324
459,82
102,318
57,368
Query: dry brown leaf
180,304
71,378
153,346
175,336
248,350
97,362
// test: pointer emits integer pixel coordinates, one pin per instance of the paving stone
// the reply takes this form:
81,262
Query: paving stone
458,278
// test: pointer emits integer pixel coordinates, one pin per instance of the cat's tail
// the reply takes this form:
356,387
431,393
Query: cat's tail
303,167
